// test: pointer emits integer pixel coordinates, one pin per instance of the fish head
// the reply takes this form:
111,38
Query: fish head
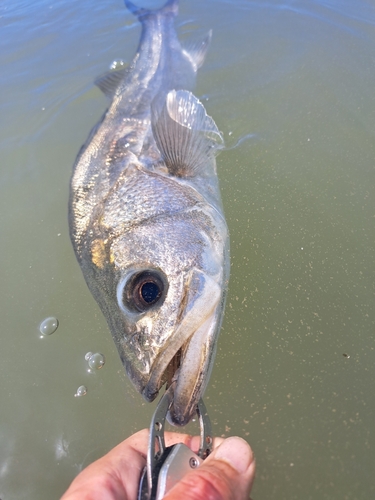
162,292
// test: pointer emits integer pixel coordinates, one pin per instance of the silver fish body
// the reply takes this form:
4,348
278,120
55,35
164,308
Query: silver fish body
146,219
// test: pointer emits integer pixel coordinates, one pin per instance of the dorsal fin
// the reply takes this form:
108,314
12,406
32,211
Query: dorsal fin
196,50
185,135
110,82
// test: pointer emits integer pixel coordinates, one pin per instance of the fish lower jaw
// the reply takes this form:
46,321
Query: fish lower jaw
188,354
187,374
169,376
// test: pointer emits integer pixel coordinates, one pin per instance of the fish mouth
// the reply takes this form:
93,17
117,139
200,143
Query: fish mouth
186,362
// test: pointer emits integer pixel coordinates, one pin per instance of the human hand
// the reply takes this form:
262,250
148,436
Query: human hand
227,474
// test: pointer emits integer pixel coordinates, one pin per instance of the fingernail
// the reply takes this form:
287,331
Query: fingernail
236,452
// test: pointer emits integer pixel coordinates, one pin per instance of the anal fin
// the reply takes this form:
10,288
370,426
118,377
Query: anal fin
110,82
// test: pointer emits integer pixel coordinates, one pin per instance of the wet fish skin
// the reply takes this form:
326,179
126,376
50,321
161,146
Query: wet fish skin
146,217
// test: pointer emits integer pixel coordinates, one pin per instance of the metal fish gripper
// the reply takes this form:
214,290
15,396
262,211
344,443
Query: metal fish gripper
169,464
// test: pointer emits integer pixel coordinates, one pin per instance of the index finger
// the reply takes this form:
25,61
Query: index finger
193,442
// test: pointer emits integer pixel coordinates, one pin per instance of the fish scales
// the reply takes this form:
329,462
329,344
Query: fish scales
146,218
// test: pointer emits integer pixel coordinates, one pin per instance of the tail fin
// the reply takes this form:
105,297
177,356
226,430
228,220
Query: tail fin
195,50
171,7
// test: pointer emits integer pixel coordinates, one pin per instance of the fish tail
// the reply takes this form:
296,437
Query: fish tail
170,7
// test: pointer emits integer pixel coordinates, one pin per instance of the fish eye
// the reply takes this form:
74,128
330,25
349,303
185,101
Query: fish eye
149,292
144,290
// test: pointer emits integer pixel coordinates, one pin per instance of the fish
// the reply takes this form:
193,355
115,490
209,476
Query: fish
146,218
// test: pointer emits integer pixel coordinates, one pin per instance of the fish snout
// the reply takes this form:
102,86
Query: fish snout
187,360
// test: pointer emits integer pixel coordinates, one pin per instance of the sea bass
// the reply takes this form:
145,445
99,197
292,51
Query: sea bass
146,218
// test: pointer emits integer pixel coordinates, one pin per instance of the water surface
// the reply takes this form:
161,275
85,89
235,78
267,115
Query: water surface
293,83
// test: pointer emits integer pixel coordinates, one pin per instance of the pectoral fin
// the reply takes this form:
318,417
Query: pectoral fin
185,135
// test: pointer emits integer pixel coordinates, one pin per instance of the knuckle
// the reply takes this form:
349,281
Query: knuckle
208,483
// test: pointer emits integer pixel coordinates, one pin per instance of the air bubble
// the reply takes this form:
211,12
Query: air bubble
95,361
48,326
117,64
81,391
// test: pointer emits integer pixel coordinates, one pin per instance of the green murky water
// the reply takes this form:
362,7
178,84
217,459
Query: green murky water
295,370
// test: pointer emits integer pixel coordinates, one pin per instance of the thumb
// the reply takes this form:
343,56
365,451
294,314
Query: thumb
227,474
